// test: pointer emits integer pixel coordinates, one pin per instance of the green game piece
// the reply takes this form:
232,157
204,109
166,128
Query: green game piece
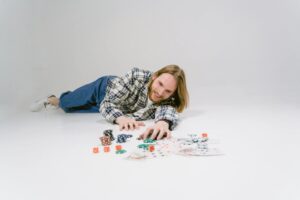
148,140
121,151
143,146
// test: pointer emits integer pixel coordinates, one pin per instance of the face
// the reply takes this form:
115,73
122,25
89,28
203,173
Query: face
162,87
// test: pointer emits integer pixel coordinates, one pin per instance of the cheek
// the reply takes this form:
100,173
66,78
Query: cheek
153,87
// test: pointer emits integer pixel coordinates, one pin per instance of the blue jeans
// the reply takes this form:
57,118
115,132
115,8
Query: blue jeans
86,99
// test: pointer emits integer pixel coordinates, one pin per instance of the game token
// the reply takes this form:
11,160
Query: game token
148,140
118,147
143,146
204,135
122,138
151,148
95,150
105,140
121,151
106,149
109,133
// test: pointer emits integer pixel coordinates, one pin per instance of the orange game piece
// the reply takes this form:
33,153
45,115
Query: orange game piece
95,150
204,134
118,147
151,148
106,149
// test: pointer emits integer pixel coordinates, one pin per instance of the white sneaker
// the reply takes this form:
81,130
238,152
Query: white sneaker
41,104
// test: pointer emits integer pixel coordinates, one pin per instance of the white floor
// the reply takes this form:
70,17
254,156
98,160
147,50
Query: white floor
47,155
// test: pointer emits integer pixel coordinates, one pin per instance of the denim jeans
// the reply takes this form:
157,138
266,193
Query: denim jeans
85,99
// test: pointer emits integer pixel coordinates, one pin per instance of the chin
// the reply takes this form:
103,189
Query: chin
153,99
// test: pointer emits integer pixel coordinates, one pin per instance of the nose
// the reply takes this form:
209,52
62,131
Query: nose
160,92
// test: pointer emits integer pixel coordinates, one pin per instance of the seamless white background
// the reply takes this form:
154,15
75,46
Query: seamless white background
241,59
229,49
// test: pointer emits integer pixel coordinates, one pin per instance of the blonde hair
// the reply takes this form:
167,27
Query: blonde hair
180,96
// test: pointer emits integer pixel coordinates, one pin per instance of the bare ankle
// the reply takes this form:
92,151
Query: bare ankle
53,101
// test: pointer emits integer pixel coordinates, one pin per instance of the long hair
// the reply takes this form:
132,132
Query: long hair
181,96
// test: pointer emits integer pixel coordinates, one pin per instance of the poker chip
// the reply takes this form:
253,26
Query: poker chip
95,150
118,147
106,149
122,138
143,146
151,148
105,140
149,140
204,135
109,133
121,151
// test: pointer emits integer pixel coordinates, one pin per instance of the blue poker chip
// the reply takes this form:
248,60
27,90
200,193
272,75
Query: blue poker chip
121,138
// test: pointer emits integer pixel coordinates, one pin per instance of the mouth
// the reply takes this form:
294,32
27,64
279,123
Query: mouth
156,95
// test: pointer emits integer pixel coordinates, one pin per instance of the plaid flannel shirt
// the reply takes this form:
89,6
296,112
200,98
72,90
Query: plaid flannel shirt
128,94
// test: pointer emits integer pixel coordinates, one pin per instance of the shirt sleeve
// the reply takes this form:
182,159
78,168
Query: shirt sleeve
166,112
117,92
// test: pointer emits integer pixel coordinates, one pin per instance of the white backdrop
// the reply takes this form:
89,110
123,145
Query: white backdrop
236,51
241,58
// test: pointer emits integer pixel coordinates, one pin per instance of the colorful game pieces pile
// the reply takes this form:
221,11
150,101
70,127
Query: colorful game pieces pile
197,146
107,149
148,145
107,140
193,145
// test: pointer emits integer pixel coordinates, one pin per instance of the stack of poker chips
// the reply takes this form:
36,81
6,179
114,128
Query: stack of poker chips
202,145
122,138
204,137
109,133
105,140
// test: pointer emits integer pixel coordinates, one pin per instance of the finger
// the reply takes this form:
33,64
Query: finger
140,137
155,133
147,133
126,126
161,134
131,126
121,126
169,135
135,125
141,123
